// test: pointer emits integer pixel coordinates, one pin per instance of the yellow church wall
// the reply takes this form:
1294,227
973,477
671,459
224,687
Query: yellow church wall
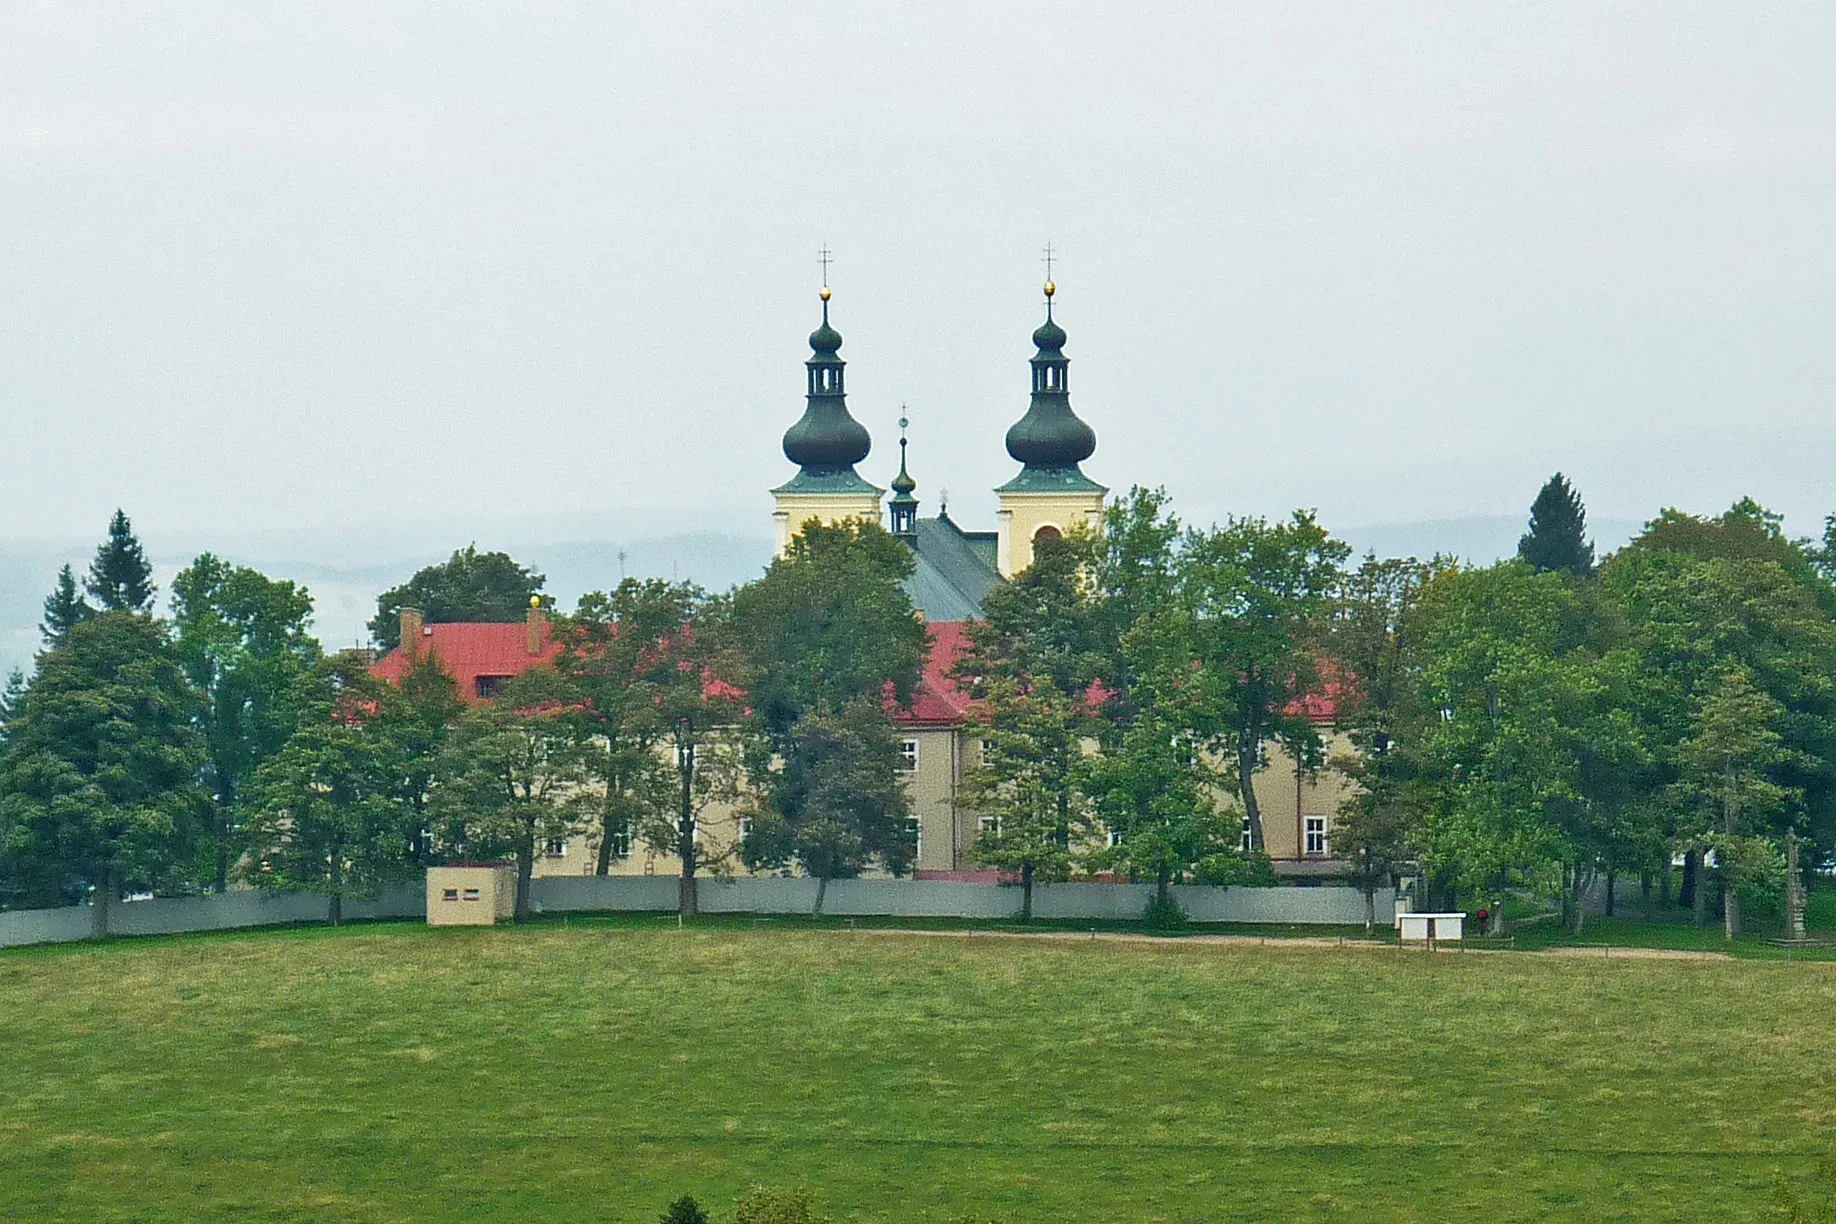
1023,514
797,510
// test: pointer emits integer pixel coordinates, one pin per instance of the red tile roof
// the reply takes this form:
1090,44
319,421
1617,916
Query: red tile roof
470,649
939,701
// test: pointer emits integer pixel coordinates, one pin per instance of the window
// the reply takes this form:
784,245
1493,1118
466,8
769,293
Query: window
487,686
621,841
989,824
1316,835
1047,532
1115,838
745,826
1244,844
988,751
908,756
471,894
557,847
916,828
449,894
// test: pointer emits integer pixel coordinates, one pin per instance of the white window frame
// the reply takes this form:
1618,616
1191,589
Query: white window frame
1115,838
549,847
1243,844
1316,836
908,756
917,826
745,826
988,824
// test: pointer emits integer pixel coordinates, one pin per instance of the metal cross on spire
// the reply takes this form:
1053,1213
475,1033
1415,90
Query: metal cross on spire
826,259
1050,255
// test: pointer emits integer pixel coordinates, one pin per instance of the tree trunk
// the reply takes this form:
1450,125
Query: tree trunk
1370,908
525,867
1695,888
688,898
334,910
1664,882
822,890
604,865
1612,878
1246,776
1730,908
106,892
1794,890
1026,892
226,807
1163,888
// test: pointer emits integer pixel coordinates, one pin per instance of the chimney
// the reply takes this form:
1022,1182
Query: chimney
411,633
538,621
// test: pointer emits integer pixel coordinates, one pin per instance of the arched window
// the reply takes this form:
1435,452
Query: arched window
1047,532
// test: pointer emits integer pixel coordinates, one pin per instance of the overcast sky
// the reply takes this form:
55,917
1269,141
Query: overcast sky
271,266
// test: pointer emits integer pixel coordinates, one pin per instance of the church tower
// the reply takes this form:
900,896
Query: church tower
825,444
1051,495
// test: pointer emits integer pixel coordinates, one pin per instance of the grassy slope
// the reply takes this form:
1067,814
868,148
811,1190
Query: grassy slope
594,1072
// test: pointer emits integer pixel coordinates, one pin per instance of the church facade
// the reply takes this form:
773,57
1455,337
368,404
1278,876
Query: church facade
954,569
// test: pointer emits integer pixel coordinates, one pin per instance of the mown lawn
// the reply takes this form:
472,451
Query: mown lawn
594,1072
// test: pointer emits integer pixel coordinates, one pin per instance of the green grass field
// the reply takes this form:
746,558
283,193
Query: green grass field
596,1071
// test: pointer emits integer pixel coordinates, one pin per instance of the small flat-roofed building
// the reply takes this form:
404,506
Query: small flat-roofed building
471,894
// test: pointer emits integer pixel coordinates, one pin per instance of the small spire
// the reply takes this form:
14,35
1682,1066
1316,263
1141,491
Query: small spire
904,506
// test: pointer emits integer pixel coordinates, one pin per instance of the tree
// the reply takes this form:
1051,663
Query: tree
242,640
415,716
829,623
699,703
1724,766
836,804
120,578
1557,539
1252,602
99,781
468,586
1374,703
620,653
684,1210
325,812
65,609
1034,666
510,775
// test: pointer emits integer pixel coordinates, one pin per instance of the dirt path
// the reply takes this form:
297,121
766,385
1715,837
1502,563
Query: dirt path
1298,941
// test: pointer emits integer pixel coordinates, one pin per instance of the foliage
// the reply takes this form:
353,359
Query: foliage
685,1210
468,586
98,784
1163,913
120,578
510,775
829,623
1248,615
326,811
1557,539
65,608
415,715
769,1205
837,803
244,645
624,656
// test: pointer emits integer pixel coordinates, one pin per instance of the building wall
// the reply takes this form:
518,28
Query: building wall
794,510
1284,808
1022,515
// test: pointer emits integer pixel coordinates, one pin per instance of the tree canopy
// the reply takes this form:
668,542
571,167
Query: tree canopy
468,586
1557,539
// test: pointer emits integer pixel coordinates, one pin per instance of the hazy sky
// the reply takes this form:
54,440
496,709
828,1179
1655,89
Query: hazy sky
268,266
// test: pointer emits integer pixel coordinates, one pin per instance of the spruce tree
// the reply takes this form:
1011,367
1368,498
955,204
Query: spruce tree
120,579
65,609
1557,539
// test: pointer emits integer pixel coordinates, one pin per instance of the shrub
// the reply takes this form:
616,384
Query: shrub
1164,914
764,1205
685,1210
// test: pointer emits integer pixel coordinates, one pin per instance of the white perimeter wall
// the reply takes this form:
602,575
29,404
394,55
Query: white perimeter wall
657,894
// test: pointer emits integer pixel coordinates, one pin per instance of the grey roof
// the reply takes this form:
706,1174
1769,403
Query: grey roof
953,572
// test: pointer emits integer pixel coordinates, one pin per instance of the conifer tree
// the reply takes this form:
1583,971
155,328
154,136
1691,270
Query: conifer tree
1557,539
120,578
65,609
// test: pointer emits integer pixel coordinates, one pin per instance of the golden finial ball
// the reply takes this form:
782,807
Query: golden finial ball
825,293
535,601
1051,288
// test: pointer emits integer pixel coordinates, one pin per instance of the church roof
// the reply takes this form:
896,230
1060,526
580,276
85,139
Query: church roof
467,650
938,701
953,571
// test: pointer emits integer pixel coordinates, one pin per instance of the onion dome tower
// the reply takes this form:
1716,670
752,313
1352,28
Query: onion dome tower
904,507
1051,495
825,444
